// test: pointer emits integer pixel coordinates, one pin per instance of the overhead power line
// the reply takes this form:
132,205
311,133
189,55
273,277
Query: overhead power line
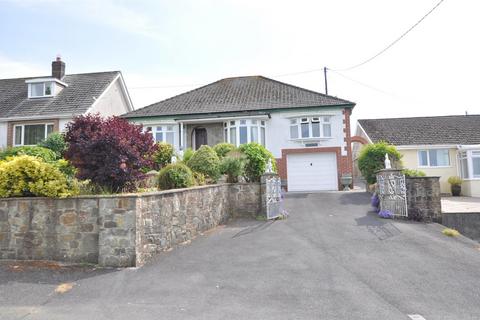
394,42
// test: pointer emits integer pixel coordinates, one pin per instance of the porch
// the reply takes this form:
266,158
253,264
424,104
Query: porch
237,130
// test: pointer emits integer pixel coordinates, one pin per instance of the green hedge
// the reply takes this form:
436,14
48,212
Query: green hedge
45,154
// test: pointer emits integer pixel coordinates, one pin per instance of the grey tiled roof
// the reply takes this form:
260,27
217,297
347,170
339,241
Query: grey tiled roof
424,130
74,99
236,95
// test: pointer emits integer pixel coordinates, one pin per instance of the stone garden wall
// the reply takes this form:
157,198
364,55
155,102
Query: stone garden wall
423,198
119,230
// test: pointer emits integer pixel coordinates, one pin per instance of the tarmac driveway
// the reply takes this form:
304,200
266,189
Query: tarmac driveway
331,259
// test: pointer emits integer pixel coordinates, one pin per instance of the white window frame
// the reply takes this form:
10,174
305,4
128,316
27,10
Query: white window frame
22,143
163,129
52,87
249,124
320,119
469,155
428,158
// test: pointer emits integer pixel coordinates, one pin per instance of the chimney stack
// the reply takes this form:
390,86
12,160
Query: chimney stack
58,68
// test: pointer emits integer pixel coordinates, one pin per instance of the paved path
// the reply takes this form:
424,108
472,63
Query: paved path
328,260
461,204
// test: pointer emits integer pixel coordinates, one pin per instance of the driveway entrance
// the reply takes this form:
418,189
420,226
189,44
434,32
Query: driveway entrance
330,259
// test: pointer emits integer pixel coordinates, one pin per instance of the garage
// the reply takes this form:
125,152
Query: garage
312,171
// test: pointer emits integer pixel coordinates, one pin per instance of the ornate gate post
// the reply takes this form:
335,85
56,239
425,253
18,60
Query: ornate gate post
392,192
271,195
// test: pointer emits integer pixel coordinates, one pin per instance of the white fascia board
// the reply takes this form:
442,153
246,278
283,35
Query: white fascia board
42,117
426,146
469,146
126,93
363,130
40,80
155,122
214,120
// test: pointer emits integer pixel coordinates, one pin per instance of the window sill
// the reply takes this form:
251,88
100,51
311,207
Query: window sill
39,97
310,139
436,167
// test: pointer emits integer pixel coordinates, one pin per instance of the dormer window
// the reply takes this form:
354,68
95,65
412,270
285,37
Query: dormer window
44,88
41,89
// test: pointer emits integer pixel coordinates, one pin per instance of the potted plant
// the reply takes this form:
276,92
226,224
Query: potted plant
455,185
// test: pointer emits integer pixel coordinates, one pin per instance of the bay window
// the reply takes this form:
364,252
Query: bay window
31,134
238,132
433,158
163,133
310,127
469,164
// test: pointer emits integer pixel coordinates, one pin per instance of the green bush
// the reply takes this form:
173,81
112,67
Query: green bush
372,159
174,176
205,161
55,142
455,181
233,168
257,157
199,178
187,154
413,173
66,168
163,155
45,154
24,175
222,149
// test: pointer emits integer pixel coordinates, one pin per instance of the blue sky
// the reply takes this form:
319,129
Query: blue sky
164,44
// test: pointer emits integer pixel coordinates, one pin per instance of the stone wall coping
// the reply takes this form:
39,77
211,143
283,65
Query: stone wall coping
426,177
131,195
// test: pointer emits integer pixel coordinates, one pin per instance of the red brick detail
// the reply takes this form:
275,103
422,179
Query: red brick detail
359,139
349,159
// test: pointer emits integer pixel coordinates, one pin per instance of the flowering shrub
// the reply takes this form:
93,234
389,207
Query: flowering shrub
110,152
375,201
24,176
257,157
386,214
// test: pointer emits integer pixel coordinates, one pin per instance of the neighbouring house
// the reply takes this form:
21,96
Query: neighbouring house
442,146
31,108
307,132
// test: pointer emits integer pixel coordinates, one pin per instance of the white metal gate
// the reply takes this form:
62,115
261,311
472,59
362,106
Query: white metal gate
273,196
392,193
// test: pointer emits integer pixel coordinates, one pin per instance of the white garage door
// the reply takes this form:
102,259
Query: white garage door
312,171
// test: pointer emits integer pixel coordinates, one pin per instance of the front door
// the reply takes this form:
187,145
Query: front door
200,137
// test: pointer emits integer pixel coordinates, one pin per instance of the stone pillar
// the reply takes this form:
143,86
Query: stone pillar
263,191
423,199
117,236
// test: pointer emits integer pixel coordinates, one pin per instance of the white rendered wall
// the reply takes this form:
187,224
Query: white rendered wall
112,103
278,130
